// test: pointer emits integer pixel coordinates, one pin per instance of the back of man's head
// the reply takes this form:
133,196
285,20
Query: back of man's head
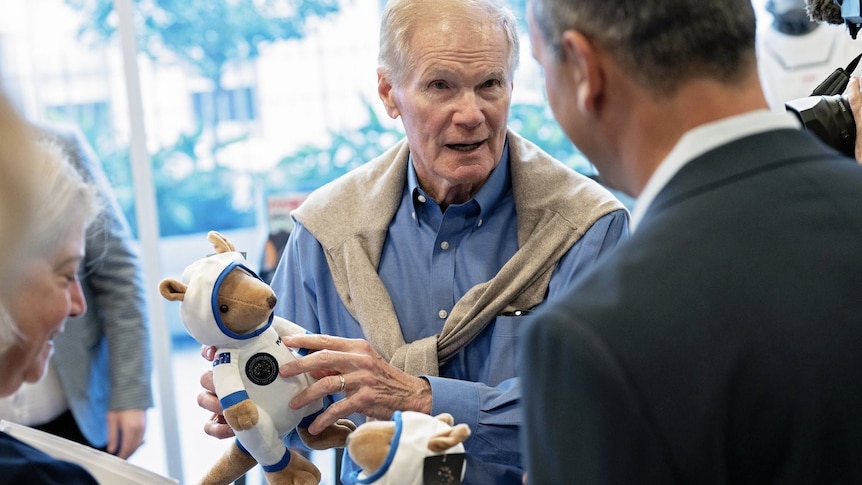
661,43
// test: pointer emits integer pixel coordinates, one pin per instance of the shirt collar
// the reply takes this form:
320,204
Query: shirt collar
488,196
702,139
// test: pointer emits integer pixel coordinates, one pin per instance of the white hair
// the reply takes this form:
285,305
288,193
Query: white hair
400,17
64,203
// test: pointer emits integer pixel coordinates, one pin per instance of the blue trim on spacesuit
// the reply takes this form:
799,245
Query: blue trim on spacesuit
285,460
242,448
393,448
215,306
233,399
303,351
306,421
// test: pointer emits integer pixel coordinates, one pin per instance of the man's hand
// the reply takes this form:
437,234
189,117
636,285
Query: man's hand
371,385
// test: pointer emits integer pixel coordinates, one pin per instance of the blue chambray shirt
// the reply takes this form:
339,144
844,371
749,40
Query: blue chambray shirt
429,260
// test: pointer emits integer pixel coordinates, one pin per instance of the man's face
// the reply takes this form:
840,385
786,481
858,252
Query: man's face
454,103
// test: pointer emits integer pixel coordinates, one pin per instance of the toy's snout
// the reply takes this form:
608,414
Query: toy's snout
245,302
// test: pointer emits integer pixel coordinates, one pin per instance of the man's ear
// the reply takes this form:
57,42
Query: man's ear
581,53
387,95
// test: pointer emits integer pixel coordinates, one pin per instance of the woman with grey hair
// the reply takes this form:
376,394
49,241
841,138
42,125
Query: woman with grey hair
45,292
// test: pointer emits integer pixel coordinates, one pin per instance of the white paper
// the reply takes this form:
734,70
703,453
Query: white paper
107,469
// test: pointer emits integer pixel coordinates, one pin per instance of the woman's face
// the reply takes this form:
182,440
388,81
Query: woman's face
47,292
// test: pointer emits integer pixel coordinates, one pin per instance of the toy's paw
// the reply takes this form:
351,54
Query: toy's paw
242,415
334,436
300,471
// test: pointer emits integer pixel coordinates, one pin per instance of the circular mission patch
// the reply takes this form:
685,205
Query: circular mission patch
261,369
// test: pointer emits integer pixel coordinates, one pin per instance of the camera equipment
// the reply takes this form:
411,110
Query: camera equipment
826,113
837,12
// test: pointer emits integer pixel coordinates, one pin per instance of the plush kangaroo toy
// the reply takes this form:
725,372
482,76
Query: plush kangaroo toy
226,305
411,449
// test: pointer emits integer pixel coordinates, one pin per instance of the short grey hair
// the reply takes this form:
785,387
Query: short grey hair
662,43
399,19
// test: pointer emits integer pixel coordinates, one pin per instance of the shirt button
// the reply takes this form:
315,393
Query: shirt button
444,245
442,314
479,224
413,215
421,198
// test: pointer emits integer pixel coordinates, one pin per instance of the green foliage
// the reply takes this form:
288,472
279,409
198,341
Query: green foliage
206,36
209,35
191,198
535,123
312,166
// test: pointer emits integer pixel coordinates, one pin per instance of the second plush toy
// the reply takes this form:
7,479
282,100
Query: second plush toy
410,449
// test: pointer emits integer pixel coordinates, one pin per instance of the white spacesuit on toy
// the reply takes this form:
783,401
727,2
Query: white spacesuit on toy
246,366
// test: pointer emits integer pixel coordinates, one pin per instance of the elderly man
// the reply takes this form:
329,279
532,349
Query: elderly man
720,344
418,267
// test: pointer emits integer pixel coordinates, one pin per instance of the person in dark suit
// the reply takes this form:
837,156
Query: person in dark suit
722,343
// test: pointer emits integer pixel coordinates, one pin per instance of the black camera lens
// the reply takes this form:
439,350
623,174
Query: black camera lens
829,118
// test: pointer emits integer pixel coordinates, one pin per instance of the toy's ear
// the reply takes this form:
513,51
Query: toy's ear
220,243
449,438
172,289
446,418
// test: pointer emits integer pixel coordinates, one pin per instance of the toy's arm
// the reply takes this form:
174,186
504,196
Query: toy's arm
239,411
285,327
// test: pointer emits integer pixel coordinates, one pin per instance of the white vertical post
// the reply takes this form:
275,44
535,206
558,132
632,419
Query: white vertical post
148,233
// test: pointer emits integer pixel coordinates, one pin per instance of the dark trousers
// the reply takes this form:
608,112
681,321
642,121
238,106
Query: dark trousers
66,427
